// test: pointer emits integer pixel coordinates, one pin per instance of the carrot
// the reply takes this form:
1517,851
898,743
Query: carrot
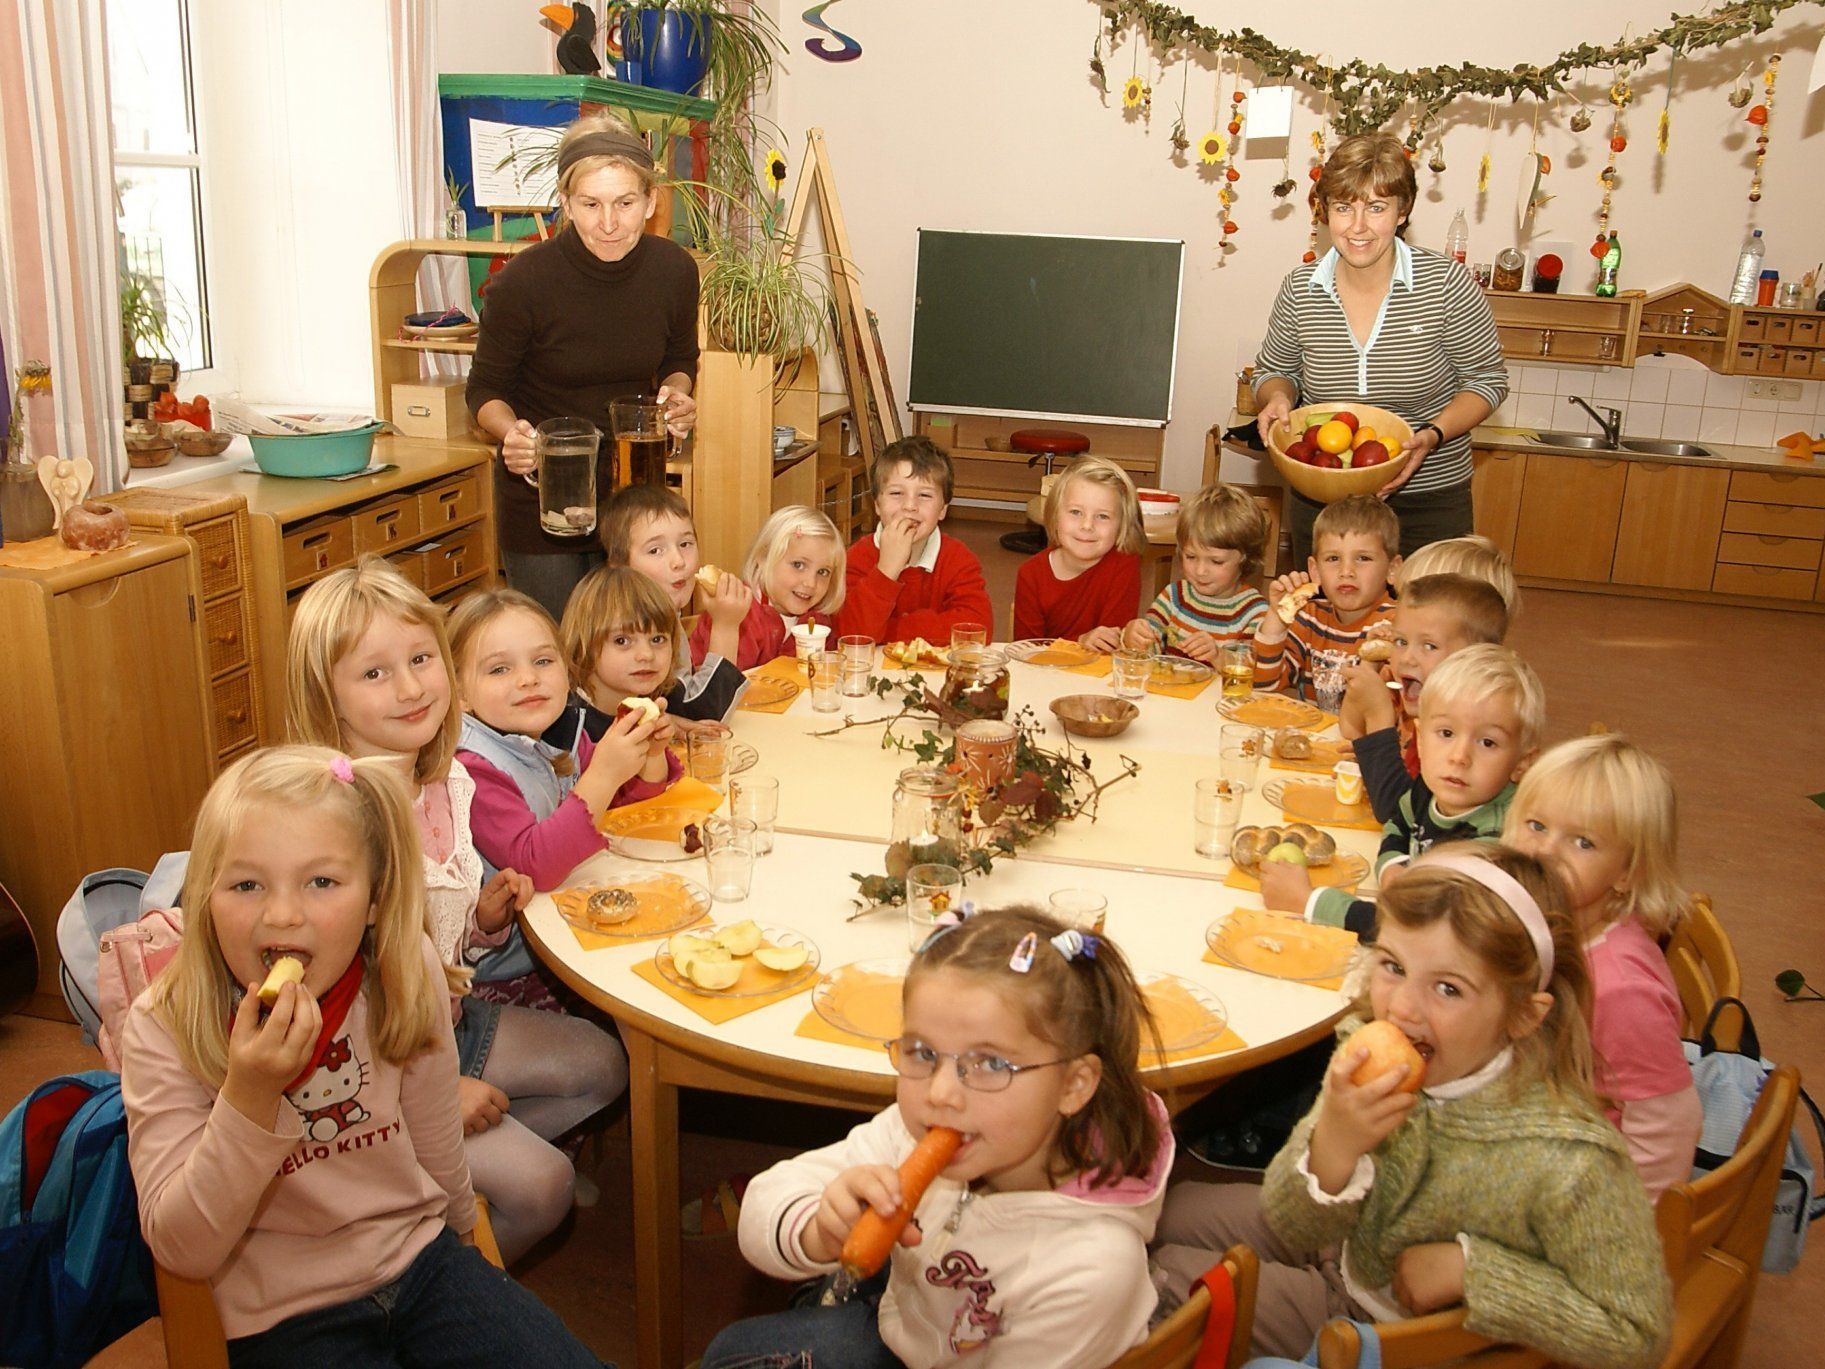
871,1240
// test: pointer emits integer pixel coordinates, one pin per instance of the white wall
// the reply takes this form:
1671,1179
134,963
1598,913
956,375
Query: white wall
983,115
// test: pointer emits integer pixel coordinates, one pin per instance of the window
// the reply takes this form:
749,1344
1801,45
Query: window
158,174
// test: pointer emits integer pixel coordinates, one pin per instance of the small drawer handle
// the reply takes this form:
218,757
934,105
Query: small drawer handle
236,715
228,638
222,562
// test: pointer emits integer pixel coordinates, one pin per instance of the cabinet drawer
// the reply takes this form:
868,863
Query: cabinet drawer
1780,330
450,501
1818,365
382,527
1799,361
450,560
317,547
225,635
1763,581
1773,362
1748,359
1745,549
1806,332
1771,488
1775,520
1754,328
410,564
231,703
218,554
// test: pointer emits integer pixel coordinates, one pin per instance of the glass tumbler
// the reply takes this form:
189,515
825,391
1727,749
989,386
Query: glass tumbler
1131,669
728,847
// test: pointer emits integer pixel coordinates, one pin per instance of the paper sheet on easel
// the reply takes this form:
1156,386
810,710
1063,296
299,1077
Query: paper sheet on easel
500,155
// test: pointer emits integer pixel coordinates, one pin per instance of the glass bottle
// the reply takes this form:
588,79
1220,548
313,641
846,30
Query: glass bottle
1508,264
1608,266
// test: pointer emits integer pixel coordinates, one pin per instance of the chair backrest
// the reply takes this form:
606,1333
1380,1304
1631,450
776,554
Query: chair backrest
1421,1341
1704,966
1176,1341
193,1329
1729,1208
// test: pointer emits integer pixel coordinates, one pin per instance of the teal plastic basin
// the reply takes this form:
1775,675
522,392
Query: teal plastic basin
312,456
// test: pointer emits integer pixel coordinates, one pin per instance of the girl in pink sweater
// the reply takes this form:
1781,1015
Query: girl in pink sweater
1603,811
302,1150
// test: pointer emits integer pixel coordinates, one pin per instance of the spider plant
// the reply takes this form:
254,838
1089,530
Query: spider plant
145,318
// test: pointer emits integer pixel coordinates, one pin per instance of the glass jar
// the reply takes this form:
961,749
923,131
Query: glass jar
976,682
927,818
1508,264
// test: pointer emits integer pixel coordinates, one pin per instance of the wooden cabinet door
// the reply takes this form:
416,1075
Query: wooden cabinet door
1495,491
1570,508
1671,518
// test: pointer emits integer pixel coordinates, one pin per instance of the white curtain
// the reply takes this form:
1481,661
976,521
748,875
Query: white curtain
443,282
59,274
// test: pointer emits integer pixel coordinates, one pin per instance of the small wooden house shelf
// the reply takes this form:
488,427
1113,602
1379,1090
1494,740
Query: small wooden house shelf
1683,320
1776,342
1567,330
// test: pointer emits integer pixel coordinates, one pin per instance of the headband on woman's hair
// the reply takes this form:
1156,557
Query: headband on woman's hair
603,143
1509,889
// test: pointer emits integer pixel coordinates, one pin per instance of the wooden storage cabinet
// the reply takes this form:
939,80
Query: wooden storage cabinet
995,473
105,733
1668,532
1774,342
1567,330
1571,507
1495,493
1773,543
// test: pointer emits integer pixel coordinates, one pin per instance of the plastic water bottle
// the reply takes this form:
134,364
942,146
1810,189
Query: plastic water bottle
1457,238
1748,269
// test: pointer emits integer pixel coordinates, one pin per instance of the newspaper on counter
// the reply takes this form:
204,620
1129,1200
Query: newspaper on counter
233,416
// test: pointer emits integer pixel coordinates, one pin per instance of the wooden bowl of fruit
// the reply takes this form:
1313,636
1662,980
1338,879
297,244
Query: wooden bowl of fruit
1330,451
1094,715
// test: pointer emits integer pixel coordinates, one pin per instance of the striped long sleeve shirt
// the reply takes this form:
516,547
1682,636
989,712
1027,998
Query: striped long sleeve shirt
1180,611
1433,339
1288,665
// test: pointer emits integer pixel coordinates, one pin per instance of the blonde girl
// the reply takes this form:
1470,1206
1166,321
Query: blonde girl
369,671
1504,1189
1473,555
1085,585
307,1158
541,781
1029,1247
1602,812
796,568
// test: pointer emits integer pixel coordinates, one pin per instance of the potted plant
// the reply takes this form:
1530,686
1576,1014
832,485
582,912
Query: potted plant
148,347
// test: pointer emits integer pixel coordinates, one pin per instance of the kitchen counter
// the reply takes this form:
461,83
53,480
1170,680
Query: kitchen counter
1724,455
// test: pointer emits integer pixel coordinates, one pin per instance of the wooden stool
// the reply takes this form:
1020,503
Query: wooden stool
1047,445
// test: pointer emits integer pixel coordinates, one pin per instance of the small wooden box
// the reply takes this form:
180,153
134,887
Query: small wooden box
1799,361
431,408
1780,330
1754,328
1806,331
1774,361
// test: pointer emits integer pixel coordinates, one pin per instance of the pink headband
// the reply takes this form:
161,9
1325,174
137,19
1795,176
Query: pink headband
1507,888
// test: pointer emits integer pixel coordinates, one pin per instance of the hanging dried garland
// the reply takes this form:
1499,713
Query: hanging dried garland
1226,195
1621,93
1761,115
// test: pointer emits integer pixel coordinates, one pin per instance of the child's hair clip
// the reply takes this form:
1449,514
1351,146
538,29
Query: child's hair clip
1022,959
1072,943
343,769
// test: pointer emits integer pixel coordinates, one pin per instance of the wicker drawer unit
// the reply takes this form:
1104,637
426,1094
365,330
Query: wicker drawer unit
216,526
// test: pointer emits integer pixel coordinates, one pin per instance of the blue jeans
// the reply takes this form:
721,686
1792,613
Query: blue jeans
808,1336
450,1307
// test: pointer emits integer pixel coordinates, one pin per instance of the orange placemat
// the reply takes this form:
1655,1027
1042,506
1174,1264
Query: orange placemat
656,916
1269,710
1325,755
649,816
1317,803
46,553
815,1028
1210,957
772,687
1305,947
720,1008
1181,691
1098,667
1178,1016
1346,871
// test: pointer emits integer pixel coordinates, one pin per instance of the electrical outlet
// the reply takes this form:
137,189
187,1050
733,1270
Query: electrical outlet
1774,389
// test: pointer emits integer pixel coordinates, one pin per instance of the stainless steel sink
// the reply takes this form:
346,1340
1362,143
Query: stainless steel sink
1589,441
1653,447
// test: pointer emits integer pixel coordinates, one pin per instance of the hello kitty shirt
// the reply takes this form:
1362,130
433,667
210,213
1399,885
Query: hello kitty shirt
358,1175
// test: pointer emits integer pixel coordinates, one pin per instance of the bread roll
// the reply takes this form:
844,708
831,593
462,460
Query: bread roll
1292,744
286,970
1294,600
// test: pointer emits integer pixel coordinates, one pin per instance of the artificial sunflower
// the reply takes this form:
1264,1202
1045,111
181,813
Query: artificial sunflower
776,168
1132,90
1213,147
34,378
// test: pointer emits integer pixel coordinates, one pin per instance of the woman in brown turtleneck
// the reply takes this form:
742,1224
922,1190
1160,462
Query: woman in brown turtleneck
601,311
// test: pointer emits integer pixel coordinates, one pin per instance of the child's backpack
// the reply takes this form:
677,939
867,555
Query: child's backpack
1728,1084
75,1274
104,901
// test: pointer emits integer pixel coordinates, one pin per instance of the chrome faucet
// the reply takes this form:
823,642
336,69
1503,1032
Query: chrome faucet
1609,421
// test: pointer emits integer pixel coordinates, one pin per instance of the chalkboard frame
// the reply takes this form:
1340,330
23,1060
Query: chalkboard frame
927,393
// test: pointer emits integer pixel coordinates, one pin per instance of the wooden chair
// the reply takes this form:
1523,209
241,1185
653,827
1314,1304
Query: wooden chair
1175,1342
1704,967
1712,1231
193,1330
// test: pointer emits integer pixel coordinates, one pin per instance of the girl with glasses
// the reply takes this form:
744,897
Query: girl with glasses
1030,1245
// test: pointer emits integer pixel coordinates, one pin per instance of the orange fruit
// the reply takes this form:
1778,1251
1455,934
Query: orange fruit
1334,437
1362,435
1393,446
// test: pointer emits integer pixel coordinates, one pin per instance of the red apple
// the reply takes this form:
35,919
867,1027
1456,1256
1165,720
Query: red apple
1310,435
1371,453
1345,417
1329,461
1300,450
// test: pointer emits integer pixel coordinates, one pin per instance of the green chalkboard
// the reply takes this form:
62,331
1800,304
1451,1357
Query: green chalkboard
1048,326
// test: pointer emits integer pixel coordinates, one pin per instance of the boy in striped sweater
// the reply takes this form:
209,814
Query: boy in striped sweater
1222,536
1355,552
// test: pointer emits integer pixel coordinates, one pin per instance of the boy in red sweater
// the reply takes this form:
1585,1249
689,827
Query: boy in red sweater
907,579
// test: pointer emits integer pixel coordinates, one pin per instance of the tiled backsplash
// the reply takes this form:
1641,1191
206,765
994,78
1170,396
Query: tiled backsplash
1668,397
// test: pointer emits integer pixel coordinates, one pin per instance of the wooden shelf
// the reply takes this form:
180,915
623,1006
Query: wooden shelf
419,345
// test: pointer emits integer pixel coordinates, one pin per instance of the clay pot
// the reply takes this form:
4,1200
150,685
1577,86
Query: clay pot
95,526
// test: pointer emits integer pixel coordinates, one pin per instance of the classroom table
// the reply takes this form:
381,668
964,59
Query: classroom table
835,806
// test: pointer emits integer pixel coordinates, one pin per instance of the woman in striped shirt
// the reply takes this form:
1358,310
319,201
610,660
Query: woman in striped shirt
1395,326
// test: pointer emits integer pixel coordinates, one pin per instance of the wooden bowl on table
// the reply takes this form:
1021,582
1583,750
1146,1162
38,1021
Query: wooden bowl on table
1094,715
1325,485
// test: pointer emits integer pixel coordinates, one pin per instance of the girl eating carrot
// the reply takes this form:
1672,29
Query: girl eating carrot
1028,1245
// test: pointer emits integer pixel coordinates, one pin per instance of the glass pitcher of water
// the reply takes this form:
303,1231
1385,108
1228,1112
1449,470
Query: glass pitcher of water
642,443
566,477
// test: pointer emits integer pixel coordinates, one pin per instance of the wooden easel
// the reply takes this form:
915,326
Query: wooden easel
877,423
536,212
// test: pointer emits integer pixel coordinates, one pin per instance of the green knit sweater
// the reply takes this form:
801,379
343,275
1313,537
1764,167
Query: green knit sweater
1563,1253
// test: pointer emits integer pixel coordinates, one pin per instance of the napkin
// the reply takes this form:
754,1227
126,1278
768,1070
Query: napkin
718,1008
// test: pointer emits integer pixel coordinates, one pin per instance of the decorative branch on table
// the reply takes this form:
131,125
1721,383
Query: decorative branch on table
1044,788
1793,984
